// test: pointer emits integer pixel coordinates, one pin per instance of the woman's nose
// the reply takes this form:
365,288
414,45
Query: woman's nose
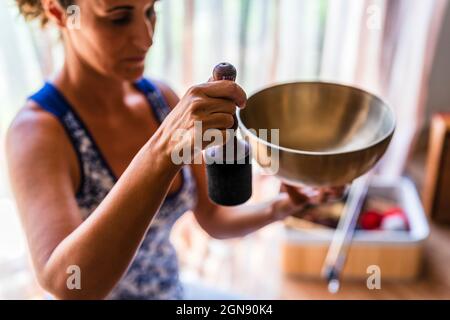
143,35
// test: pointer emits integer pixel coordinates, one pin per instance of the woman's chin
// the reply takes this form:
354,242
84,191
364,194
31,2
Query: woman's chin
133,74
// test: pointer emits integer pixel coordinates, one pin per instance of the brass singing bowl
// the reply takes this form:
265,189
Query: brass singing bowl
329,134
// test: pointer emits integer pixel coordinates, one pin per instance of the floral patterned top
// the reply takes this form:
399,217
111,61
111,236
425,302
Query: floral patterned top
153,274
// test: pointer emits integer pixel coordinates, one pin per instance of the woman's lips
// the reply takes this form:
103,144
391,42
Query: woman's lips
135,59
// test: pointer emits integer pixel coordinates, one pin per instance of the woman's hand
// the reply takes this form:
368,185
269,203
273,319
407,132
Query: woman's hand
293,200
211,105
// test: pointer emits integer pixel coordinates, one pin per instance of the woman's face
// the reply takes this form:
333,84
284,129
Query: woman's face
114,36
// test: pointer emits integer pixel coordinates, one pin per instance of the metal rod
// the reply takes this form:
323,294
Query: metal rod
338,250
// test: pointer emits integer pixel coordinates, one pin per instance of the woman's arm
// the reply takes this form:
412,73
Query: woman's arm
231,222
104,245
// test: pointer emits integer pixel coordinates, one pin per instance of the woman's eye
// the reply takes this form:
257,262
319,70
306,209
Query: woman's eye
151,12
121,20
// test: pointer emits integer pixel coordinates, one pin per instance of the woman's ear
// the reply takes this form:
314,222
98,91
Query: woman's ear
55,12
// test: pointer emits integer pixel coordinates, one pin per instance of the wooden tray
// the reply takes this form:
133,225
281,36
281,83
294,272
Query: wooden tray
398,254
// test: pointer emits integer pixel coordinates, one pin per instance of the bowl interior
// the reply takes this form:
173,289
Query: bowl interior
319,117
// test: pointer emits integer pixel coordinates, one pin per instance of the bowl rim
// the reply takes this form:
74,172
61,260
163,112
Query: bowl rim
385,137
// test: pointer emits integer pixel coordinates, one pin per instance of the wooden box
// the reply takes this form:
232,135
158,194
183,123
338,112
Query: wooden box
436,190
397,253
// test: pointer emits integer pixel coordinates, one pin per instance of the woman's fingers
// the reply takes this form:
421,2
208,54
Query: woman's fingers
220,121
223,89
296,196
335,193
314,196
326,195
216,105
302,197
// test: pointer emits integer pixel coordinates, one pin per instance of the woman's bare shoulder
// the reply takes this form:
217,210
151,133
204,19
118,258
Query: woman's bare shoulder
32,131
33,122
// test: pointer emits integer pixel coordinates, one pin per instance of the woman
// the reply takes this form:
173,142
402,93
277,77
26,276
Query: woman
90,160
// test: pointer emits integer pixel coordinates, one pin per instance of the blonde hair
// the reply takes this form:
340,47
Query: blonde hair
32,9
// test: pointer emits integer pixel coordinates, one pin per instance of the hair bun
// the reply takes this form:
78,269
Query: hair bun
32,9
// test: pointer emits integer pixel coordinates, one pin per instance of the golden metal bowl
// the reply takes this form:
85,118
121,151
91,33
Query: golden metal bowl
329,134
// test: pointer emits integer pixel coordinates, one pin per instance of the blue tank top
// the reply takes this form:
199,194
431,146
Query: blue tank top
153,273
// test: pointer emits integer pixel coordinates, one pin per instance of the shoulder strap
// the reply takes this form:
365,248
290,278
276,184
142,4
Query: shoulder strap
49,98
155,97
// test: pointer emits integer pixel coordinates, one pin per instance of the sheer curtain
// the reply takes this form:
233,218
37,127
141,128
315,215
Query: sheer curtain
384,46
387,47
20,74
267,40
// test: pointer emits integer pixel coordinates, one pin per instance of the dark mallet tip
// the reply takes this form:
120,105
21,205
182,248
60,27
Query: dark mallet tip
224,71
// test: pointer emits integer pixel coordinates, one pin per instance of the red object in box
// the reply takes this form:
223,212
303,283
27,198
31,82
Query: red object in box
371,220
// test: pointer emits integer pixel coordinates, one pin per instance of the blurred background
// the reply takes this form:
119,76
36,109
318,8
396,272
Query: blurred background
397,49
